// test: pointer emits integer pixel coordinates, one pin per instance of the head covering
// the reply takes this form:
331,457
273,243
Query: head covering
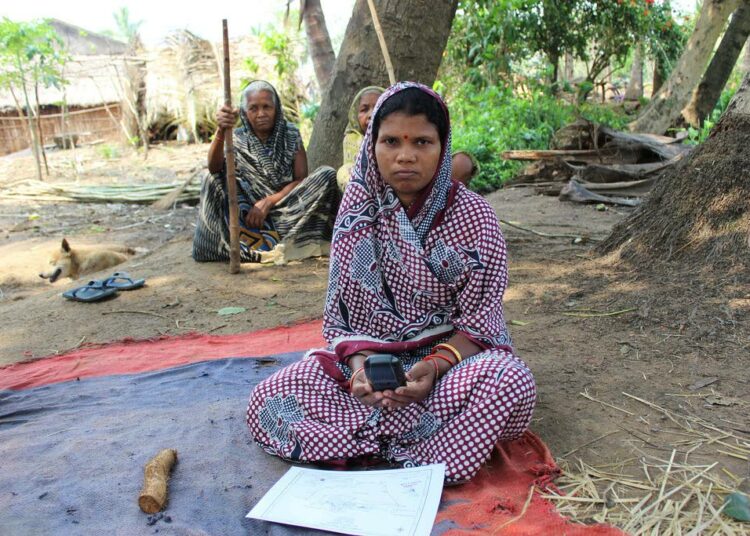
254,87
274,159
353,124
422,214
399,278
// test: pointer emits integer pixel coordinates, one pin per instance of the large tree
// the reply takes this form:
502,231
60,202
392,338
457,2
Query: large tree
708,91
415,54
699,212
666,105
318,41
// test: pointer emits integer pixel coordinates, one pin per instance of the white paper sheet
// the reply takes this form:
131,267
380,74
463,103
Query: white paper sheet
391,502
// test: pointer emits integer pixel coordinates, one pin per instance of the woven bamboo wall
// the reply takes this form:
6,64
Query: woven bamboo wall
96,123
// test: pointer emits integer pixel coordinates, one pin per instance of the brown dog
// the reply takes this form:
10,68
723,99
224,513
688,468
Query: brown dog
73,263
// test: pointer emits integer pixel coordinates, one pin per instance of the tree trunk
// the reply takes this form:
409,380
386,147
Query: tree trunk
568,70
746,59
39,129
134,107
635,85
658,79
415,54
554,82
699,211
707,93
32,132
666,105
321,50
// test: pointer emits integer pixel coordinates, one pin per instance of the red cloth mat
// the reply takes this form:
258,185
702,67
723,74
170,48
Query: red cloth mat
493,501
131,356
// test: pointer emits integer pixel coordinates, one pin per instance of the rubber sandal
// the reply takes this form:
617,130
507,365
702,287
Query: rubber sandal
123,281
91,292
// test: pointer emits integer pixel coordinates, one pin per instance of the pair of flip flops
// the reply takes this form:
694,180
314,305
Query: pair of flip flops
98,290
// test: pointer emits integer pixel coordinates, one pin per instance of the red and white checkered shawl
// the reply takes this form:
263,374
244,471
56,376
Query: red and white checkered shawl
402,279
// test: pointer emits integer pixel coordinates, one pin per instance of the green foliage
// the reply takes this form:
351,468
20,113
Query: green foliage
488,122
107,151
551,27
285,44
281,45
664,36
251,65
310,110
30,53
493,41
126,29
484,42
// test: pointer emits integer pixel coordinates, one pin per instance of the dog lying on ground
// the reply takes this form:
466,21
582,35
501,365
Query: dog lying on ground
73,263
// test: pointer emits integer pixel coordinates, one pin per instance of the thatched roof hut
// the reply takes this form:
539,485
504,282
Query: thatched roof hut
92,93
185,79
80,42
183,87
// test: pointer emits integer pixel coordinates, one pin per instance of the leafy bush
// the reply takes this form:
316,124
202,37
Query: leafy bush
107,151
488,122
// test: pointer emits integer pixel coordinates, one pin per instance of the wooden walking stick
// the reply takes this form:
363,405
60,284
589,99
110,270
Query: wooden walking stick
381,39
234,211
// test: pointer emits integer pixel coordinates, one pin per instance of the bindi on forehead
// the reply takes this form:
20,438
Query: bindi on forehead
406,136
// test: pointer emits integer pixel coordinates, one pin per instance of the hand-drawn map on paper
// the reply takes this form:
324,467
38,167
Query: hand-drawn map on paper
391,502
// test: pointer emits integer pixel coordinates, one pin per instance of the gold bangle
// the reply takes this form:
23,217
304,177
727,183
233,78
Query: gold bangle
452,349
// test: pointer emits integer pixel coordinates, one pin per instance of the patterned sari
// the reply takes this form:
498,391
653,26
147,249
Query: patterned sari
302,222
400,282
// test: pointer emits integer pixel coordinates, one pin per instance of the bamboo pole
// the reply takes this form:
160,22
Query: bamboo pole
234,211
381,39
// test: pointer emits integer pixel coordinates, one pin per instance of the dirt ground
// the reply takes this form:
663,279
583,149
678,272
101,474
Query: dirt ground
591,329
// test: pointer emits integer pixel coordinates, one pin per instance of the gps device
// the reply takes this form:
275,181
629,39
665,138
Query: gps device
384,371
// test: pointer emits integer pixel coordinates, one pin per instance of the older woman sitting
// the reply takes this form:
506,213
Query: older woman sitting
418,271
284,213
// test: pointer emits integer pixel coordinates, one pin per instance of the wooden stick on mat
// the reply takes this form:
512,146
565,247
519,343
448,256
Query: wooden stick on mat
381,39
234,211
153,496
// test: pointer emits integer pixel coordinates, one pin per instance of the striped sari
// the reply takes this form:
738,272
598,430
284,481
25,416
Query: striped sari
299,226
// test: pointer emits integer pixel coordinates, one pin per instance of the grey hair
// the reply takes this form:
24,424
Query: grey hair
254,87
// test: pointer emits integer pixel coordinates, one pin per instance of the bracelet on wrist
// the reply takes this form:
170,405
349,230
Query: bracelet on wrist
451,350
354,375
433,358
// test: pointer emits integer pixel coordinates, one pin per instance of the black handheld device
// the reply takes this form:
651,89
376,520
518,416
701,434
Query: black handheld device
384,371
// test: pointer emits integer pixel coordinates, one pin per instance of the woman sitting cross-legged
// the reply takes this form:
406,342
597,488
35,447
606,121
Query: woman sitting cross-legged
418,270
284,213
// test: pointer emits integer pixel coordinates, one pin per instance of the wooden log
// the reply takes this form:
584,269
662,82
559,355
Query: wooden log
606,155
153,496
550,154
622,172
574,191
663,147
625,188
